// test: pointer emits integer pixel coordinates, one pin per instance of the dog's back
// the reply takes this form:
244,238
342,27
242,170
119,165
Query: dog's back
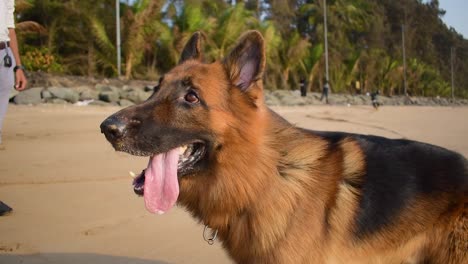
411,196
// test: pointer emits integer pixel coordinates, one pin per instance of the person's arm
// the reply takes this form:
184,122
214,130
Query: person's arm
20,80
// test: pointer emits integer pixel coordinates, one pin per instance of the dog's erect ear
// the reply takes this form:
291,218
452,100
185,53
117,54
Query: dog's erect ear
193,49
246,62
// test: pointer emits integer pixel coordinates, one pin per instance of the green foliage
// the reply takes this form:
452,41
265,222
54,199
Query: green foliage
364,40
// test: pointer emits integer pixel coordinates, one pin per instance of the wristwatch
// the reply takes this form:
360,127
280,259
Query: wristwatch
19,67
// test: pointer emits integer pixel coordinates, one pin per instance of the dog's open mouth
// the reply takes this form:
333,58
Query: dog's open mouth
159,184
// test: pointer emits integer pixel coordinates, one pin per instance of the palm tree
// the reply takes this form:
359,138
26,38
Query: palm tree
27,26
231,24
77,30
273,39
293,52
143,23
346,21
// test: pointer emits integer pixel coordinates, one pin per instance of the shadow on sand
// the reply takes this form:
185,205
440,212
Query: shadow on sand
72,258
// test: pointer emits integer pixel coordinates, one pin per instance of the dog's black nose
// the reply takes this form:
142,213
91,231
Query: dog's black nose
113,128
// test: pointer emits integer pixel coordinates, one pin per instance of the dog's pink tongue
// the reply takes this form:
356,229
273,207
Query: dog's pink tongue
161,184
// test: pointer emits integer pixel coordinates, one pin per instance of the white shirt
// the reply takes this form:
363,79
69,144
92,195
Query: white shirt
7,8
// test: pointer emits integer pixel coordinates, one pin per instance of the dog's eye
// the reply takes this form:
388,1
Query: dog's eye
191,97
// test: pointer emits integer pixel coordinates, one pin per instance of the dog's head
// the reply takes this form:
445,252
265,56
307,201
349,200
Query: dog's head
196,110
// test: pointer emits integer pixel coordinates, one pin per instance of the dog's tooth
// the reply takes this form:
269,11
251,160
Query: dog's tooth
132,174
182,149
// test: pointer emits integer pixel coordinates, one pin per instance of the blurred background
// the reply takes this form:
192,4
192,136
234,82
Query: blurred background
366,41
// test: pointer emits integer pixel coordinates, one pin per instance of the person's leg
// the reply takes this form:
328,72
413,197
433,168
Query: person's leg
6,84
4,209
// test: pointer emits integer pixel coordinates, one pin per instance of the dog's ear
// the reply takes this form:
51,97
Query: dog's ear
193,48
246,62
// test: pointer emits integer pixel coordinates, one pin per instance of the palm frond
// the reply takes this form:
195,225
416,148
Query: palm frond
101,37
30,26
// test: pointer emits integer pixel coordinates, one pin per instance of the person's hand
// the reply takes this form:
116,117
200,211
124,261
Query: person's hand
21,80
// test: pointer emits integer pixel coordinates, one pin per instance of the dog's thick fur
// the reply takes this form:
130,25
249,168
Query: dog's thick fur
281,194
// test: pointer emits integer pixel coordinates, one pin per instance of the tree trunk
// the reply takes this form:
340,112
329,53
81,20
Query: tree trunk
310,81
129,66
285,78
91,61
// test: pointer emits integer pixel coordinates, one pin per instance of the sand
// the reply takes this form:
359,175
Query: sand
72,195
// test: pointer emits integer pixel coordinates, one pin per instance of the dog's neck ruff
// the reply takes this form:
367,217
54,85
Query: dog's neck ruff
212,239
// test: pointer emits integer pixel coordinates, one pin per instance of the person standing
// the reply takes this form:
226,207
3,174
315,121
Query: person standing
11,71
303,87
325,90
374,99
357,86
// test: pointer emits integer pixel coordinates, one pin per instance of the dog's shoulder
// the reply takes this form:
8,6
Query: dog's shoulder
397,174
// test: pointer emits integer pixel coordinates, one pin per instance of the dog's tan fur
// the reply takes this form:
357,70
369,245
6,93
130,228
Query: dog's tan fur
279,194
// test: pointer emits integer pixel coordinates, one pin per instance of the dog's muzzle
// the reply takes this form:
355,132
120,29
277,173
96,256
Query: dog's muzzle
113,128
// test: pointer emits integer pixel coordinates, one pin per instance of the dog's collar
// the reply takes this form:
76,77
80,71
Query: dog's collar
209,240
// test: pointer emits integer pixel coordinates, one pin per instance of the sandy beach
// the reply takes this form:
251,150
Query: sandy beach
73,200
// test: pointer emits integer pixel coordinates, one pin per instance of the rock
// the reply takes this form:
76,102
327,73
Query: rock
135,95
57,101
280,94
45,94
66,94
106,88
312,100
354,100
126,88
13,93
384,100
292,100
82,88
29,96
149,88
408,100
315,96
125,103
88,94
271,100
339,100
109,96
444,102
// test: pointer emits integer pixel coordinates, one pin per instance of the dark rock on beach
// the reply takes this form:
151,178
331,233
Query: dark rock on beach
67,94
30,96
104,92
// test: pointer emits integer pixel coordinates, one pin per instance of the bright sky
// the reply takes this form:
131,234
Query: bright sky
456,15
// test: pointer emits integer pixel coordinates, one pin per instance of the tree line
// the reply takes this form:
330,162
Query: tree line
365,40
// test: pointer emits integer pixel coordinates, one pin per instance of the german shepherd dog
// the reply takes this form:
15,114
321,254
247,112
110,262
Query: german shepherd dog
277,193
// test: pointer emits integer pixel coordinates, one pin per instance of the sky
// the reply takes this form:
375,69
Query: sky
456,15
